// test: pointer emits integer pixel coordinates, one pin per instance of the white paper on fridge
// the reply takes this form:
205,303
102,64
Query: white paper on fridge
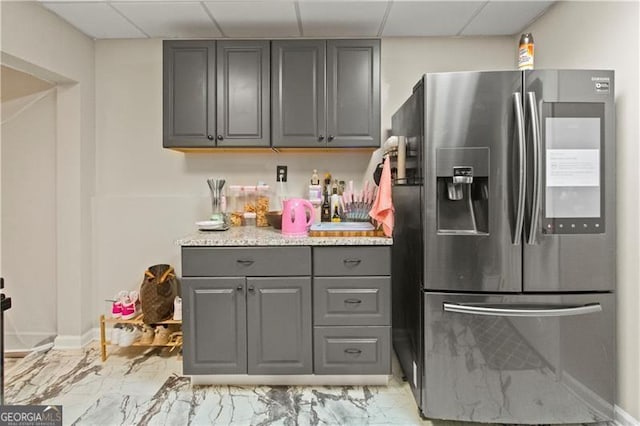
573,167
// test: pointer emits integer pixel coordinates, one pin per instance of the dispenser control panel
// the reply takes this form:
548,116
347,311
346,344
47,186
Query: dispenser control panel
462,174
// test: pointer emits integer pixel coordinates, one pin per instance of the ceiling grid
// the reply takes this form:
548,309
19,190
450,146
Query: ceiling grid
102,19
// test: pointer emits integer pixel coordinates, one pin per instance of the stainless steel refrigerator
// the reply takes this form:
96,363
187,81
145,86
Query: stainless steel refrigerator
504,246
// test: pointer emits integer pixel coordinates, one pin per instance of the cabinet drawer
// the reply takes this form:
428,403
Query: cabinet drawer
352,350
240,261
352,301
357,260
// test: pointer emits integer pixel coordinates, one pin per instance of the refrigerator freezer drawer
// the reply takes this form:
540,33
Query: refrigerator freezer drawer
519,358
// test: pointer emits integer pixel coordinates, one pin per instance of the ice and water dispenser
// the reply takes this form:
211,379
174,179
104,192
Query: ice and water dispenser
462,191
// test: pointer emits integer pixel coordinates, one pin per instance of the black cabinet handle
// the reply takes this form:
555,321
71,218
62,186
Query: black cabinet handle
353,301
352,262
220,137
320,138
244,262
239,288
331,138
251,289
210,137
352,351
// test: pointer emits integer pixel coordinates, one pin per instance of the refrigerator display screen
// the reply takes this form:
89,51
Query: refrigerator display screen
573,167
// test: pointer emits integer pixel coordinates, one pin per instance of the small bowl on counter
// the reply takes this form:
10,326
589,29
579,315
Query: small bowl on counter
275,219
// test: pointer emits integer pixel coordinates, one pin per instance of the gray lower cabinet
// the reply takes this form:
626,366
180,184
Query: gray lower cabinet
286,310
326,93
352,350
247,310
215,327
279,325
352,310
189,93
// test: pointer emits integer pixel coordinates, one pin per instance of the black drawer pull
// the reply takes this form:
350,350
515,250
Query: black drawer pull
244,262
352,351
353,301
353,262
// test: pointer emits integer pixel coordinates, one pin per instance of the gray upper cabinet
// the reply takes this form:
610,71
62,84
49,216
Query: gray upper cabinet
243,99
215,329
279,325
189,93
298,99
353,93
326,93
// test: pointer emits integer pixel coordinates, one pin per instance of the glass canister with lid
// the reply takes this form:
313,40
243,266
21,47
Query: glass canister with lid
262,204
236,205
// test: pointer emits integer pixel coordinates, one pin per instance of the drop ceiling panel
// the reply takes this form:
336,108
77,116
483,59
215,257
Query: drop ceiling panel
255,19
429,18
505,17
97,20
172,20
341,18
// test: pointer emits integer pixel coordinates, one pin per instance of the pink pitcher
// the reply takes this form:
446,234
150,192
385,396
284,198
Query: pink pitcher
294,217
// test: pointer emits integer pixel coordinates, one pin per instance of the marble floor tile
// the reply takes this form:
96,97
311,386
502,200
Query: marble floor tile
145,387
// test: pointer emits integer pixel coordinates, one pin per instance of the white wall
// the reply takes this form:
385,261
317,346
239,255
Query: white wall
607,37
38,42
29,217
147,196
404,60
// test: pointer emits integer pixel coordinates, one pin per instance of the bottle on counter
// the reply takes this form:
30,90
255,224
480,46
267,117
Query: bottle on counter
325,213
315,179
335,203
525,52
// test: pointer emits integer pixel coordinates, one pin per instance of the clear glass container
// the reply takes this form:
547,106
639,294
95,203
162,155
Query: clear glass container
263,195
236,205
250,219
250,199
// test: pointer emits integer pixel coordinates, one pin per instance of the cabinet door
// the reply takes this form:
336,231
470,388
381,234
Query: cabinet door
279,325
298,99
189,93
214,326
353,93
243,93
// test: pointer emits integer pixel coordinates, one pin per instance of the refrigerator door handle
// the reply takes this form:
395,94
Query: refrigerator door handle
514,311
537,167
522,175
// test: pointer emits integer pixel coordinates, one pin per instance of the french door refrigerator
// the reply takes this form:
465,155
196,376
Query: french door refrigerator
504,246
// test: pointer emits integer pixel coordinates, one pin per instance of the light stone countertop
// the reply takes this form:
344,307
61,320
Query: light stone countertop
253,236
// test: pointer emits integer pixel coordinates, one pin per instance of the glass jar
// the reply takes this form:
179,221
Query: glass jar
250,219
249,199
236,205
262,205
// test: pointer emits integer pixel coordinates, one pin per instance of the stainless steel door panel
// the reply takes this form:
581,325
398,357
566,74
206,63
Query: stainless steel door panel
558,262
558,367
474,110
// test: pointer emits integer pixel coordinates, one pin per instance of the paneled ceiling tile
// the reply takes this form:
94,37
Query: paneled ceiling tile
97,20
341,18
255,18
429,18
505,17
169,19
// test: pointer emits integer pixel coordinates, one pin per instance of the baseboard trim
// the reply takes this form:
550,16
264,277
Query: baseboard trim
286,379
66,342
623,418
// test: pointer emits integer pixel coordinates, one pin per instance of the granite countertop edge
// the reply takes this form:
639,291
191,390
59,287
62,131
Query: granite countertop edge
253,237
